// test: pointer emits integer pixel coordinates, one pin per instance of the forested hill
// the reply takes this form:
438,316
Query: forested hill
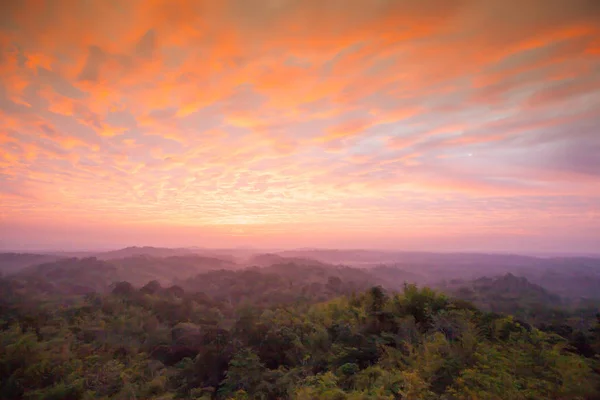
91,274
279,284
507,293
575,278
11,263
253,334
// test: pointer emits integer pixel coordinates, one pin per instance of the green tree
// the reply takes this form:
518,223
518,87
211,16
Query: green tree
245,373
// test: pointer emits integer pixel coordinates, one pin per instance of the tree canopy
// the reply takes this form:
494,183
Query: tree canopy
284,342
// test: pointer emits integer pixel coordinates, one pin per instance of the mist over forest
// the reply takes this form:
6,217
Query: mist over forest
162,323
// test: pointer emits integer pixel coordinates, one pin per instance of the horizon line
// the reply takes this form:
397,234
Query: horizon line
268,250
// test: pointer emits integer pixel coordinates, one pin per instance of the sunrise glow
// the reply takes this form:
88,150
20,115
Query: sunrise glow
449,125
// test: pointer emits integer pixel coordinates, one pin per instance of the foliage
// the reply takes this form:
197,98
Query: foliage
282,339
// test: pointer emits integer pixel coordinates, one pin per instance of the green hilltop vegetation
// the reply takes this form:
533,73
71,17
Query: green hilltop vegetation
137,327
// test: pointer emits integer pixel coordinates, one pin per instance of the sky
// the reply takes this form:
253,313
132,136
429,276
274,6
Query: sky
469,125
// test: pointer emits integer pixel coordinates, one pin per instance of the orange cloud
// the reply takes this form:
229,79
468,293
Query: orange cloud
348,128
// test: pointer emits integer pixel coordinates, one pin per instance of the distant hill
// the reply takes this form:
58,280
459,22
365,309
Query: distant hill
71,276
143,251
394,278
141,269
91,274
573,277
309,273
376,257
350,257
14,262
279,283
505,294
269,259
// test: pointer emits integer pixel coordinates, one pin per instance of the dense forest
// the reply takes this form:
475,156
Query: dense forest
200,326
